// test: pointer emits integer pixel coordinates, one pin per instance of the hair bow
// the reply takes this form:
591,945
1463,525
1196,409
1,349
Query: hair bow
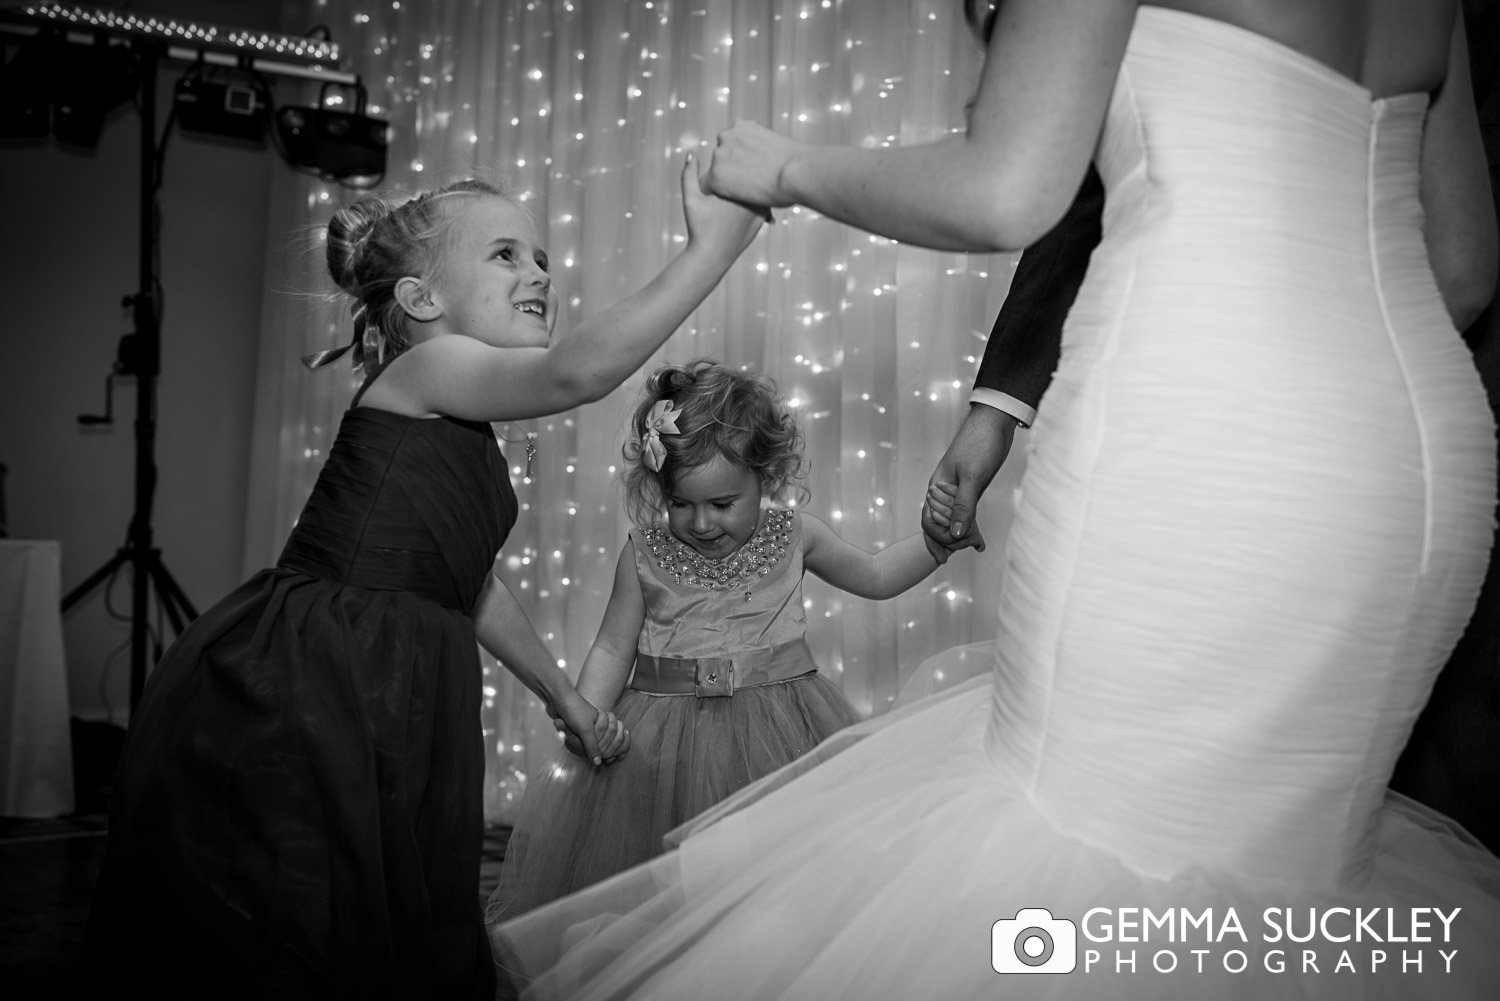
363,336
661,420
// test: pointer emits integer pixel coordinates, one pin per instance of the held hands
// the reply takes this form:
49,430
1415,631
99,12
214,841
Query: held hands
963,473
746,165
937,527
723,227
588,733
609,733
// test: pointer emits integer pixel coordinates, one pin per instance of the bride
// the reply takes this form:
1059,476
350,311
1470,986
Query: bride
1254,522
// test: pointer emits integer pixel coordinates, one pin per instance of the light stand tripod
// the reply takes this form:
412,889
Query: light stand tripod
143,360
321,147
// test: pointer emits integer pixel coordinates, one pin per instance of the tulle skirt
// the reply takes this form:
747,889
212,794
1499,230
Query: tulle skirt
298,812
579,824
897,868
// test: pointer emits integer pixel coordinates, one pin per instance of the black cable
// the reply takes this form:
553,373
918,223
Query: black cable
109,663
161,627
109,587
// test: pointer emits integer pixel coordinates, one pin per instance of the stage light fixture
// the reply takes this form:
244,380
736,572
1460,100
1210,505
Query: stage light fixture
91,81
76,64
342,146
65,87
128,47
25,104
237,109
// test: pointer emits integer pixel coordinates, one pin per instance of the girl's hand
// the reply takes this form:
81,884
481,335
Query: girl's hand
572,743
610,736
746,165
937,520
940,497
613,738
936,550
723,227
580,718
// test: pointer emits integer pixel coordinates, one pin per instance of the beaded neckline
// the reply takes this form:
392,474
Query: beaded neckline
752,561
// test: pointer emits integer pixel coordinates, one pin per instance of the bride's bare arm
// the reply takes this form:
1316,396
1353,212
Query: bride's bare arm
1048,74
1047,77
1456,197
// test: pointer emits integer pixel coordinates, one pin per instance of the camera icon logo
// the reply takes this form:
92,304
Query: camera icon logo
1034,942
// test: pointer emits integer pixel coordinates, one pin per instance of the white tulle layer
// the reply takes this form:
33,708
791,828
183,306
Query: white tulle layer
1253,524
880,873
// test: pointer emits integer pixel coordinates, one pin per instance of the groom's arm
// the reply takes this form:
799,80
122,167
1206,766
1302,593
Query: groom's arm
1023,348
1019,359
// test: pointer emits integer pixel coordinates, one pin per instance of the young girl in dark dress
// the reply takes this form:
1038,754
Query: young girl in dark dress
298,809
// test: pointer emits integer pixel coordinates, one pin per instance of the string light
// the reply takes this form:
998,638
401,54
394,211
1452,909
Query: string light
873,342
205,36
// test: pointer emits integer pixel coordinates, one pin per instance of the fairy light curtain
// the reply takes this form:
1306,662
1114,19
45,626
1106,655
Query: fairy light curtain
588,106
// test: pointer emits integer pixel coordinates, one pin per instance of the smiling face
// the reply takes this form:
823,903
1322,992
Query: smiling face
715,507
493,284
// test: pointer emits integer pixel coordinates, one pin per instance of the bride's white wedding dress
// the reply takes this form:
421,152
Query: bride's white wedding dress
1254,523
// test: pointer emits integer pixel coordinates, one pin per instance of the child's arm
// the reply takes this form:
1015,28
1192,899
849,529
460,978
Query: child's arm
464,378
504,630
885,574
609,661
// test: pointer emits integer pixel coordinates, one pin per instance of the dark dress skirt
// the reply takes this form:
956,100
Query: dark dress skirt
298,812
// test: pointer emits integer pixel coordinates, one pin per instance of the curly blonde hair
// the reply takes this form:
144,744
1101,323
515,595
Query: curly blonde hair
740,416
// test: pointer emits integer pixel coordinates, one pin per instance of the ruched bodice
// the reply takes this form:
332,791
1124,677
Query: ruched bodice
406,504
1259,505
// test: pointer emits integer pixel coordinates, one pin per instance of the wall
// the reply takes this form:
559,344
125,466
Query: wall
68,256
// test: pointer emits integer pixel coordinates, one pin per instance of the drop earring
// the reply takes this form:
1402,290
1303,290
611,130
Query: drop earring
530,440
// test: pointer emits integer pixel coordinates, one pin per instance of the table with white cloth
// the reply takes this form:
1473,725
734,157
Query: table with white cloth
36,755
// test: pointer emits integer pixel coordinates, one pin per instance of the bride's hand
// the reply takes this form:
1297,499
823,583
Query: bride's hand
746,164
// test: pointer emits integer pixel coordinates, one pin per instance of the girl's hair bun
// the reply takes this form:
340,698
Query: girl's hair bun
347,232
372,245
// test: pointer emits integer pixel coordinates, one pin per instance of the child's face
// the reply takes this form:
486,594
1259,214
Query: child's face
493,284
715,507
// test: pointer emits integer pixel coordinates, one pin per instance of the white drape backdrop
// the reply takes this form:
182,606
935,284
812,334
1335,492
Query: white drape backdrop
588,106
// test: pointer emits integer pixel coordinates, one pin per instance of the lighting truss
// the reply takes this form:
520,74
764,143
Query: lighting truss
186,40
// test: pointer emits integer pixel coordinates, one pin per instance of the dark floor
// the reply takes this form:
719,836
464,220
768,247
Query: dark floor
47,873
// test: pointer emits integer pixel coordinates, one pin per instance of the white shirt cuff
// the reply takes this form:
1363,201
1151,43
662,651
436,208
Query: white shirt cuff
1023,413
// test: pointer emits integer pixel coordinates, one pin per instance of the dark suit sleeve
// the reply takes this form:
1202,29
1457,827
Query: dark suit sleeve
1024,345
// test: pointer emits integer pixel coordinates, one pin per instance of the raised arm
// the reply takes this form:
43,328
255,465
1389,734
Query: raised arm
896,568
1048,74
1456,198
608,664
461,377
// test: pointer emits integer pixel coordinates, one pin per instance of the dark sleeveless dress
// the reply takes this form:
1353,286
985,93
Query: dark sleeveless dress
298,812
